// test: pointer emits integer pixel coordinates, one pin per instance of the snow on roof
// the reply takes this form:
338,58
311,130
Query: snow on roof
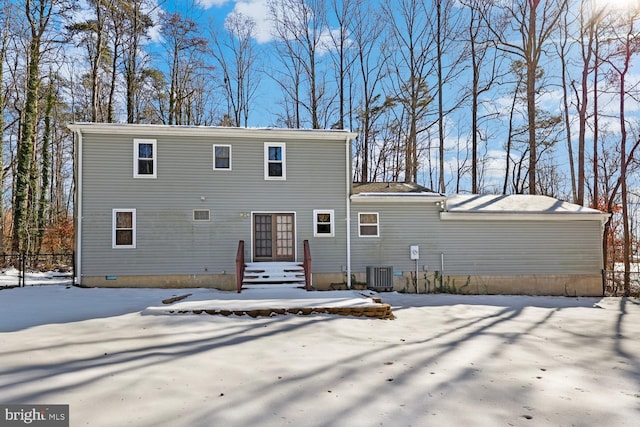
515,203
371,189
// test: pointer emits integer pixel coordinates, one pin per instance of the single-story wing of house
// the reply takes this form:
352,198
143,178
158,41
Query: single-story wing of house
480,244
192,206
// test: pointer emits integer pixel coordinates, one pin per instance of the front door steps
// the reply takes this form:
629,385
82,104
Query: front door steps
273,274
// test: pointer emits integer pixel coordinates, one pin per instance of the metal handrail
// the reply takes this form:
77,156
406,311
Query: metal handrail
240,266
307,265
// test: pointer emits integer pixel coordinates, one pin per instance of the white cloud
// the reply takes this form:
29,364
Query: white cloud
154,10
495,164
258,11
206,4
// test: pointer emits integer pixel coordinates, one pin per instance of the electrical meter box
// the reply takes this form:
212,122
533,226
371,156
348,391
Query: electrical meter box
415,252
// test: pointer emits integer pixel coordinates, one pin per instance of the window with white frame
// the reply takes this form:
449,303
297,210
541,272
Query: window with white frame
144,158
275,161
368,224
222,157
323,223
201,215
124,228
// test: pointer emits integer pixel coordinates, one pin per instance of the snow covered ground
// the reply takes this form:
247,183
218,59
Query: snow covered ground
11,277
446,360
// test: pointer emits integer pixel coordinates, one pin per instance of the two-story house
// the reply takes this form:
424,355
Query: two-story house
169,206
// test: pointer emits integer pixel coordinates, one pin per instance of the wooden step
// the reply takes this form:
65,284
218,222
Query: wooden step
273,273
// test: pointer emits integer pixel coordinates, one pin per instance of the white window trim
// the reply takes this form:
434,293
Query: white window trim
377,224
113,229
202,210
136,151
331,222
266,161
214,157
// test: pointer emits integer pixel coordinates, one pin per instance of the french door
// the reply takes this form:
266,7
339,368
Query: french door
274,237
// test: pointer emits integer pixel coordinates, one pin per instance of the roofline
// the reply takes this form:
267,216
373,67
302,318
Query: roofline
397,197
227,132
524,216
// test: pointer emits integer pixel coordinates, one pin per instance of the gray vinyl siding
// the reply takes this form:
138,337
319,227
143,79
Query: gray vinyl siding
168,240
475,247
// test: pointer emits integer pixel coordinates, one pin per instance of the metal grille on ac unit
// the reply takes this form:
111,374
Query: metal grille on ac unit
380,278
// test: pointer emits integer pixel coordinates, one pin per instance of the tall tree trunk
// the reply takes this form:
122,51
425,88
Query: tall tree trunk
96,63
532,67
475,68
26,150
3,54
565,101
623,177
596,132
45,155
439,42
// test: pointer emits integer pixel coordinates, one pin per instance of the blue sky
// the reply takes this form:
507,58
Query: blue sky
266,106
219,9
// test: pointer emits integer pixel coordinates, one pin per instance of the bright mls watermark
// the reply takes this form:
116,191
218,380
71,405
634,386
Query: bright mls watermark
34,415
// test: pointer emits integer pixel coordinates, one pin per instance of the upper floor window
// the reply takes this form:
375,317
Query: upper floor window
323,223
124,228
275,161
144,158
368,224
222,157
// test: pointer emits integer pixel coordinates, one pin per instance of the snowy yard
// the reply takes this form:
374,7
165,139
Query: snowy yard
445,360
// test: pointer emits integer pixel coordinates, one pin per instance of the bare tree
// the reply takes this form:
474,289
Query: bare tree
39,15
366,34
344,11
236,55
563,49
624,44
136,20
534,21
300,26
411,41
5,24
446,24
93,39
184,50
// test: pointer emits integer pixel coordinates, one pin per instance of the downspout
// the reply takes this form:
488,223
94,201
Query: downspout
348,205
78,209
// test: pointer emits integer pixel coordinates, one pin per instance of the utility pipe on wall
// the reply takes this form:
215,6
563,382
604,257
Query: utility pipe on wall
441,268
348,209
77,205
417,291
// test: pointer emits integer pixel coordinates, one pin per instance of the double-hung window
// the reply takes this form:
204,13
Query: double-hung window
222,157
323,223
124,228
368,224
275,161
145,158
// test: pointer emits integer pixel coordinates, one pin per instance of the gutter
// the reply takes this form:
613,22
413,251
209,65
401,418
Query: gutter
521,216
